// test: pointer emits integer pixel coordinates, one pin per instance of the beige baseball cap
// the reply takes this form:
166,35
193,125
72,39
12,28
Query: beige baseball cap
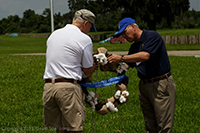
86,14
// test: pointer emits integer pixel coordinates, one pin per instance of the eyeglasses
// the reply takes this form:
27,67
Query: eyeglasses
124,32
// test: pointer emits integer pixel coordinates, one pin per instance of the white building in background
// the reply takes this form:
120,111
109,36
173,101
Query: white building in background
194,4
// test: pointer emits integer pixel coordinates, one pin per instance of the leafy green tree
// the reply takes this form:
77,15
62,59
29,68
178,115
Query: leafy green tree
189,19
58,21
77,4
47,19
107,12
38,23
149,12
28,21
154,11
10,24
4,23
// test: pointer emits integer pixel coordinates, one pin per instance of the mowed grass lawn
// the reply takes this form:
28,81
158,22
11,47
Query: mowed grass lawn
21,85
14,45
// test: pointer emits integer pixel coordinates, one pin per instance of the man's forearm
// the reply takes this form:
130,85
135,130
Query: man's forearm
137,57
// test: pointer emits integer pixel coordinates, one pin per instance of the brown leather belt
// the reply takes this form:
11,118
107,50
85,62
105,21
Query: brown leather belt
157,78
60,80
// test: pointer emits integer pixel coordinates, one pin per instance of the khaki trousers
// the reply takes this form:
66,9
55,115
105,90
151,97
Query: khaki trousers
157,101
63,106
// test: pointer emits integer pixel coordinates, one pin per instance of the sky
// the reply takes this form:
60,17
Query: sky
194,4
17,7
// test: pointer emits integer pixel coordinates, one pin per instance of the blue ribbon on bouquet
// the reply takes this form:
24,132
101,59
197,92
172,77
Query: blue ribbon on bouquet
106,82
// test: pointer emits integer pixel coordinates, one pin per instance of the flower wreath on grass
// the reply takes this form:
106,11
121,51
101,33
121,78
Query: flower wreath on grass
121,96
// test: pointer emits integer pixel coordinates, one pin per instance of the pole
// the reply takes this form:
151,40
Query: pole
52,19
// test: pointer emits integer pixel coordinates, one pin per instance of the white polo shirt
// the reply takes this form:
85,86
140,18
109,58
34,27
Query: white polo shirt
68,51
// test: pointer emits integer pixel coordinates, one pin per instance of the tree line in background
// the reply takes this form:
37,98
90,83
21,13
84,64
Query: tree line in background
149,14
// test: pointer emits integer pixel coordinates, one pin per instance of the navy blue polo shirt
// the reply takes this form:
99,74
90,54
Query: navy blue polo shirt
158,64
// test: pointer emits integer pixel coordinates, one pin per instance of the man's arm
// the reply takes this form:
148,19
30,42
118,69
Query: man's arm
137,57
89,71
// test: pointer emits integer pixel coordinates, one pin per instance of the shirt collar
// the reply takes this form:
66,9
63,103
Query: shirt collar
142,36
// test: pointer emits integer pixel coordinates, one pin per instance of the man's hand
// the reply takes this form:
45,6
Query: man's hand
114,58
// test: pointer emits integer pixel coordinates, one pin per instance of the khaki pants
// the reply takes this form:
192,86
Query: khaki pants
64,107
157,101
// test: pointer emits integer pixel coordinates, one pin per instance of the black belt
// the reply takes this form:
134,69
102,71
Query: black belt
61,80
157,78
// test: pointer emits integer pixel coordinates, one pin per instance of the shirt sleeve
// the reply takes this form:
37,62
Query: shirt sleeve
152,44
87,59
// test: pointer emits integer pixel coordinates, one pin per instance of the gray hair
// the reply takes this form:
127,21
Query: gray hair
130,25
84,15
78,19
136,25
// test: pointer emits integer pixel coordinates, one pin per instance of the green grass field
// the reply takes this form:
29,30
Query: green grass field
13,45
10,45
21,85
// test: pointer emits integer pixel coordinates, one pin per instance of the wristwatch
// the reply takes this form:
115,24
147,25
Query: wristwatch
122,58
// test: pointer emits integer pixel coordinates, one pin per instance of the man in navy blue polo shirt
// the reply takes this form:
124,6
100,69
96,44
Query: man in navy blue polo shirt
157,90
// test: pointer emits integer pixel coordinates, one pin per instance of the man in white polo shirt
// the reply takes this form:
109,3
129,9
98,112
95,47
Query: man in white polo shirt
69,53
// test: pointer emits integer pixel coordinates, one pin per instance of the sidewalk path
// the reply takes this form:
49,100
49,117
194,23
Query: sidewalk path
174,53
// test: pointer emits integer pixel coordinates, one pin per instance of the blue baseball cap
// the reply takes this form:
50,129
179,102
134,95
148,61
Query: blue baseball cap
122,25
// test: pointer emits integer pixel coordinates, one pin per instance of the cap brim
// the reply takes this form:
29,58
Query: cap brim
116,35
93,29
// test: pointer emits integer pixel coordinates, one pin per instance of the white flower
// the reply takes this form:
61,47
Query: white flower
95,101
125,93
101,58
121,67
89,98
92,100
122,99
93,105
111,106
91,93
118,94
